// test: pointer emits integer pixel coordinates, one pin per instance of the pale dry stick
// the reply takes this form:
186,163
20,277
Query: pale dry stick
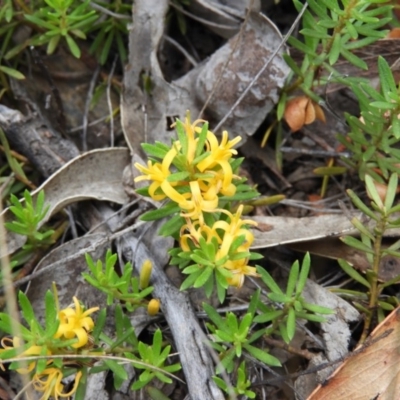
87,106
12,307
261,71
109,102
181,49
93,123
201,20
225,66
108,12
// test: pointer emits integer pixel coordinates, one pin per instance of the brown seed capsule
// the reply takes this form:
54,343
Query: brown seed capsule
302,111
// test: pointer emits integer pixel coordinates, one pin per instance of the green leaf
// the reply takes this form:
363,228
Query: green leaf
51,321
26,308
268,316
386,78
291,323
183,139
279,298
262,355
170,208
12,72
373,192
315,33
292,280
116,368
353,59
269,281
204,277
335,49
202,140
357,244
361,228
305,269
99,325
158,149
361,206
353,273
317,309
391,191
73,47
215,317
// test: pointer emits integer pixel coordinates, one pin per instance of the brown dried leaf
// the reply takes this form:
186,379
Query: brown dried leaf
96,175
372,372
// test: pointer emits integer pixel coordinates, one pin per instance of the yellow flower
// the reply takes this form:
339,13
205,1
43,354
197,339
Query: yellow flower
75,323
31,351
199,202
220,153
191,129
196,231
235,229
240,270
158,173
49,382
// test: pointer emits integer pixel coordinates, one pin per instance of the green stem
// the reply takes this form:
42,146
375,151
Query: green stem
374,289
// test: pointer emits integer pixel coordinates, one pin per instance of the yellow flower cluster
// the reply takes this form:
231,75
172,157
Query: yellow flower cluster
207,178
204,163
74,323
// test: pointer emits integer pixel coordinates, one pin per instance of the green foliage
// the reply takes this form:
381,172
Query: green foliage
372,139
230,336
331,31
28,215
242,383
382,217
291,301
124,288
156,356
65,332
62,19
62,22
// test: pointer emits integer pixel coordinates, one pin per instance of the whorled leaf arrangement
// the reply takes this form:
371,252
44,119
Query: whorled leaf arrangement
197,175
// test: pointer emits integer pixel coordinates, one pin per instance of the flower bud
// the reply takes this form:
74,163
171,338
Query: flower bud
145,274
153,307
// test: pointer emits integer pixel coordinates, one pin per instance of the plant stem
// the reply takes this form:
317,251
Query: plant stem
373,280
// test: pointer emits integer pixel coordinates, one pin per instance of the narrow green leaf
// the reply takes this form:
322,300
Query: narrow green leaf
12,72
292,280
386,78
361,206
116,368
391,191
357,244
26,308
73,47
373,191
262,355
353,59
162,212
291,324
353,273
269,281
305,269
335,49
